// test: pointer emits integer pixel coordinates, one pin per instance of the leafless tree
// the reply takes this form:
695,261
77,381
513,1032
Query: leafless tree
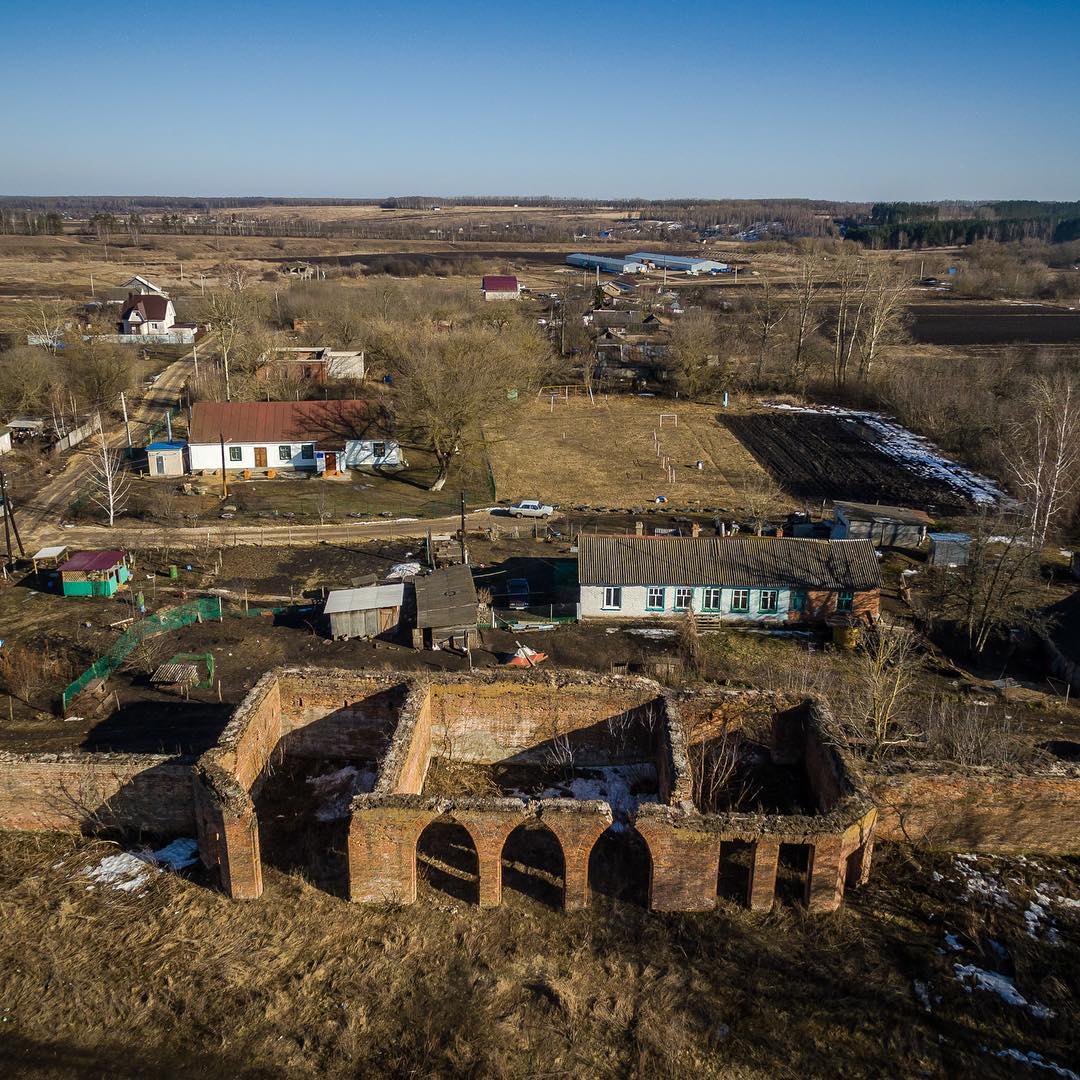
1043,454
759,499
806,310
231,313
884,673
689,639
110,484
47,321
766,315
883,307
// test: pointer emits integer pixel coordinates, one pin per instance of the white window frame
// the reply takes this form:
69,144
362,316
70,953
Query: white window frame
236,453
612,598
736,607
684,592
649,605
774,608
712,590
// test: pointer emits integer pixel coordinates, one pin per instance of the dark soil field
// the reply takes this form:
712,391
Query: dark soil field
814,456
993,324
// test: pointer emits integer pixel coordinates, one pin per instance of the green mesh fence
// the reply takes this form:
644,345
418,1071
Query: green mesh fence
206,607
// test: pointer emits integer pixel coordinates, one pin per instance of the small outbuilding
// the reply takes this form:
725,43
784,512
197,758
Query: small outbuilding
886,526
166,458
949,550
48,558
446,609
365,612
94,573
500,287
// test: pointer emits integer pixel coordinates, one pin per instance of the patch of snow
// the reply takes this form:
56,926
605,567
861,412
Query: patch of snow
999,984
336,790
657,633
1036,1061
123,871
612,784
954,943
403,570
178,855
983,886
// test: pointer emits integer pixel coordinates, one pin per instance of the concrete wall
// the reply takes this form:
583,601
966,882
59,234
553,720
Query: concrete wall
77,792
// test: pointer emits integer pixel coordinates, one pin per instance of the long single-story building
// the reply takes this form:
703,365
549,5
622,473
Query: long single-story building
736,579
886,526
686,264
606,265
312,436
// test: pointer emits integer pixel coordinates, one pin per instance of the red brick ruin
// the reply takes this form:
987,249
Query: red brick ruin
453,760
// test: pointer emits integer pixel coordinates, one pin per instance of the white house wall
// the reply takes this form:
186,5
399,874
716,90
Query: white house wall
355,454
635,604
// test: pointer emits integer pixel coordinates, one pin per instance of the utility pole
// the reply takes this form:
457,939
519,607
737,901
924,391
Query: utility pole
464,558
195,354
224,486
7,538
168,425
9,512
127,426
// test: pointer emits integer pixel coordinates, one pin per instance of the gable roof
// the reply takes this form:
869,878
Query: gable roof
499,283
753,561
150,306
365,598
141,285
332,423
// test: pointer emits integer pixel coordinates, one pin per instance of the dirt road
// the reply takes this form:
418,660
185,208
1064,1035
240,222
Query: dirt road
39,516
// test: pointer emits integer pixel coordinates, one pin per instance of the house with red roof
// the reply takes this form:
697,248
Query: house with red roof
146,314
500,287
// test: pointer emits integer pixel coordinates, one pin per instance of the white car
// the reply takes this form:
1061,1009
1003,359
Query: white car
530,508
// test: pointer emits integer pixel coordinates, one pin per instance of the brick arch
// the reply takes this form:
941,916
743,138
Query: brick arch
577,832
452,884
541,888
629,836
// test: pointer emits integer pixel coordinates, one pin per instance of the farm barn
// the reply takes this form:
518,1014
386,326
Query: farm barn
298,436
885,526
739,579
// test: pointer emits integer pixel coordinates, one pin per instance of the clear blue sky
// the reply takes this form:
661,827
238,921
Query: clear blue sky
850,100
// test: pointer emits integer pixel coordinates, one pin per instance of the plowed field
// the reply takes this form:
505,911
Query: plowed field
814,456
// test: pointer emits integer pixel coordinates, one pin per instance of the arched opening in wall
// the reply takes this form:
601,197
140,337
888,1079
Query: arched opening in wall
620,866
446,860
733,876
853,868
791,873
533,864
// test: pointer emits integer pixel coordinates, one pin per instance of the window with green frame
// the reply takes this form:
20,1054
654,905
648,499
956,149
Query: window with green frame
798,600
740,601
845,601
654,598
768,601
711,598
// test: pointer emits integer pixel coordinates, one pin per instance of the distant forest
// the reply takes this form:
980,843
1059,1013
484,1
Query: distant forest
896,225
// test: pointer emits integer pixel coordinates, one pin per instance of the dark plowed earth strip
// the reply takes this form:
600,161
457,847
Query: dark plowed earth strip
826,457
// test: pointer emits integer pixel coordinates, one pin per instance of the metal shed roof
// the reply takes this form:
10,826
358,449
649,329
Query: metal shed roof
85,561
754,561
446,597
874,512
364,599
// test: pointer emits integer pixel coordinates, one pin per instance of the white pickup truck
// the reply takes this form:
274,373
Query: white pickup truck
530,508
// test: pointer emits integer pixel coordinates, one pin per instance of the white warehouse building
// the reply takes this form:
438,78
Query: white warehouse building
606,265
686,264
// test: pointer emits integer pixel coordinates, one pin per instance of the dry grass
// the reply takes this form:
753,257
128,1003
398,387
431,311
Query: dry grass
180,981
604,455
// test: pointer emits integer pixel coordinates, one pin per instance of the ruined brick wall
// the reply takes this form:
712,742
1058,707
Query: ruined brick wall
407,764
980,811
75,792
486,721
250,737
828,773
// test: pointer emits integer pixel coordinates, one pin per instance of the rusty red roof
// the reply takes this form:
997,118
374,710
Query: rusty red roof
500,283
329,423
86,561
148,305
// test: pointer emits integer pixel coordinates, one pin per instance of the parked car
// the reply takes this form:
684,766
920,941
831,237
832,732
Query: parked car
517,593
530,508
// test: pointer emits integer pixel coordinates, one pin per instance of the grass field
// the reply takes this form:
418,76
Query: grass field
576,453
172,978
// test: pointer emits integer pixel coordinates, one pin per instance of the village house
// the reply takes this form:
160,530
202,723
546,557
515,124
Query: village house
730,580
500,287
141,286
147,314
302,436
313,363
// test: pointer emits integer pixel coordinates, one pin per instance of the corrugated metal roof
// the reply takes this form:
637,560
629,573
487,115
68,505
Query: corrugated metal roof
446,597
84,561
53,552
500,283
753,561
364,599
875,512
330,422
165,445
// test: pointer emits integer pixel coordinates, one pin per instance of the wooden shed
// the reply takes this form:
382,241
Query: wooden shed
886,526
94,573
446,609
366,612
949,550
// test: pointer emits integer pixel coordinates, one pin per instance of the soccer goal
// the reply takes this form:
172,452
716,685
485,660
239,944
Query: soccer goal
670,417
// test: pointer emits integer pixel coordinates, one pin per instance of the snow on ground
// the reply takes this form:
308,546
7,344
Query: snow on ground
1036,1061
915,453
981,885
612,784
124,871
178,855
996,983
336,789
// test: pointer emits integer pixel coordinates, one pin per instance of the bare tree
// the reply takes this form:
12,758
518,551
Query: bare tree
1043,454
690,648
46,321
110,484
759,499
887,289
807,315
766,315
884,673
230,313
694,352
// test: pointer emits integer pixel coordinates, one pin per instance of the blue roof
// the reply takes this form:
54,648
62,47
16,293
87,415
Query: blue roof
959,538
166,446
